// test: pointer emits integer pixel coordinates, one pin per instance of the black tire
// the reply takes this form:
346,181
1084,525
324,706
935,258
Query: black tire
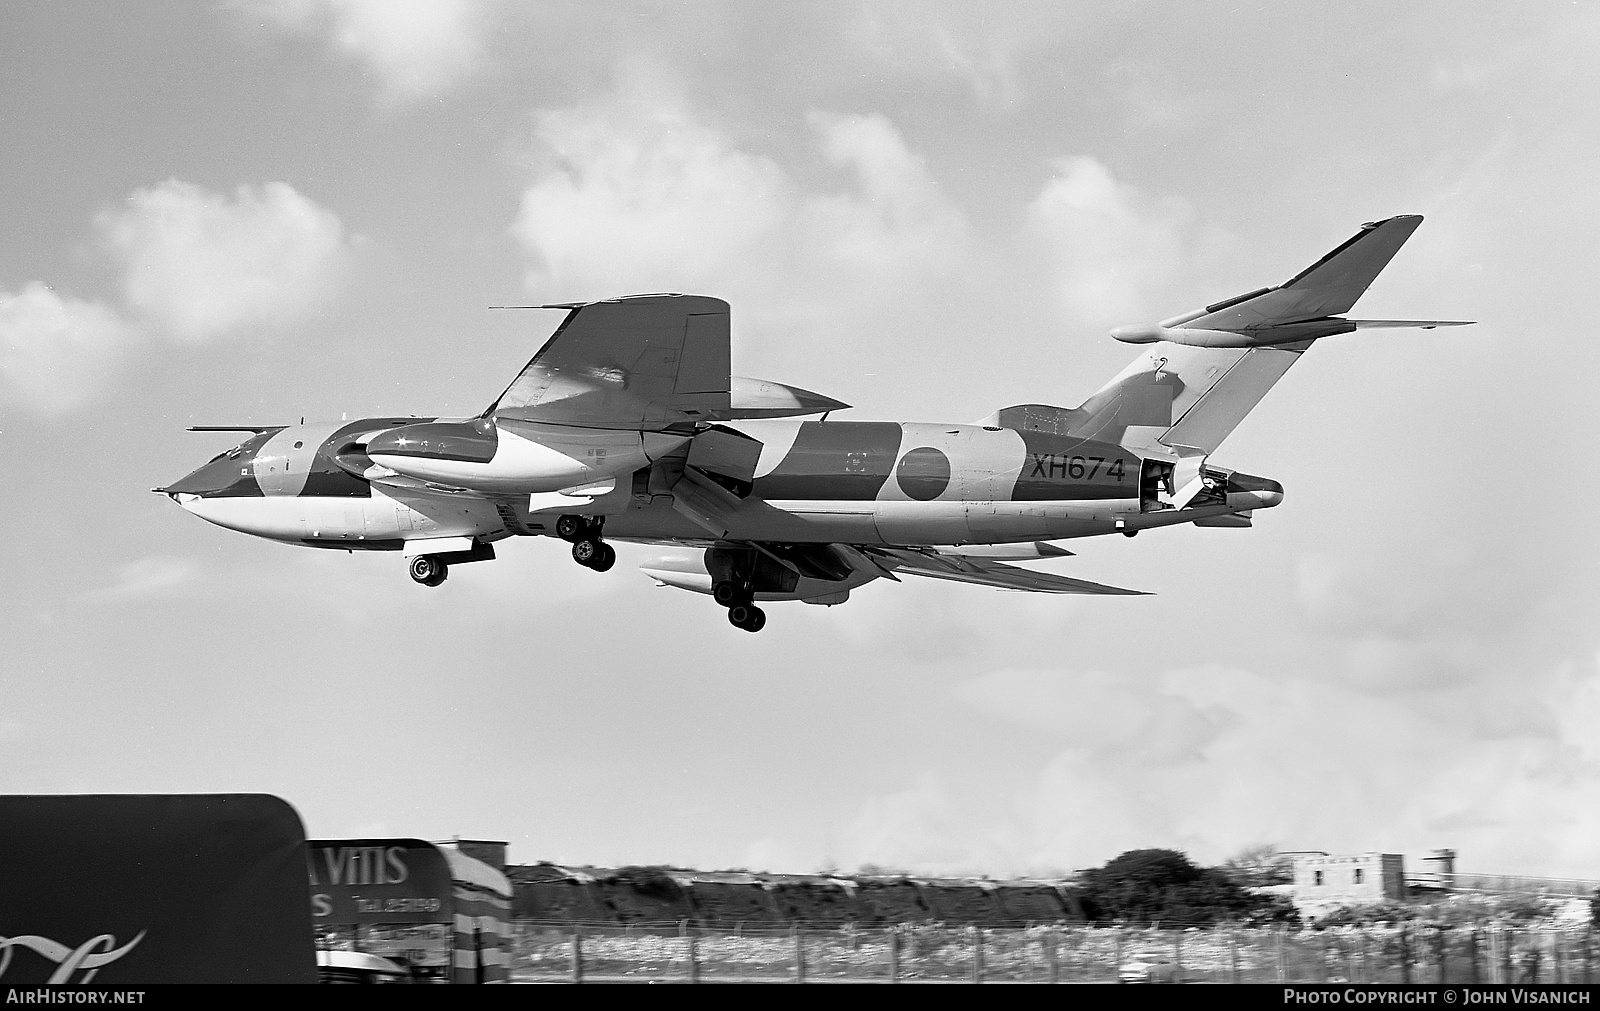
757,620
571,528
725,592
427,570
739,614
584,552
605,559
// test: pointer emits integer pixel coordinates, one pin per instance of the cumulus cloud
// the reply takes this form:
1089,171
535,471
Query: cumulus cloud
645,192
916,828
198,264
412,47
636,186
150,576
1211,759
194,265
56,352
895,213
1100,713
961,43
637,193
1112,246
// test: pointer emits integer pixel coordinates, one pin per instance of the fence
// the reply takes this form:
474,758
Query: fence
679,952
1507,884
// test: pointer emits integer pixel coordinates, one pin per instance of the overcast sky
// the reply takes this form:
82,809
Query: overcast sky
253,212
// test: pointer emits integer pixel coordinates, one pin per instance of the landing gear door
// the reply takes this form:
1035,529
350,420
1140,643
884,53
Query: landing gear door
1155,485
1165,484
1186,478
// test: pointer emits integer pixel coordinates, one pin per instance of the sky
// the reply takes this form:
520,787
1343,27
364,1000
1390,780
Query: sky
256,212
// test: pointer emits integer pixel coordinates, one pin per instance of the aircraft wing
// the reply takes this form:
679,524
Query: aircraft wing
640,362
983,571
1326,288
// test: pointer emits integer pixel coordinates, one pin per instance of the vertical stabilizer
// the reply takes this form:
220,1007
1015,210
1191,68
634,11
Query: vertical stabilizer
1205,370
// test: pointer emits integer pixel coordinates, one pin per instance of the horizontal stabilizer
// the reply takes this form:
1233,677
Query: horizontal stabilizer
1326,288
257,429
1207,369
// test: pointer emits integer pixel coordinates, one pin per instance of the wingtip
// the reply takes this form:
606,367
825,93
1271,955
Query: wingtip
1398,217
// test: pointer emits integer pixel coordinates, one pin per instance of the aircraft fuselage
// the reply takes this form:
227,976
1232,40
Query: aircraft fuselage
821,482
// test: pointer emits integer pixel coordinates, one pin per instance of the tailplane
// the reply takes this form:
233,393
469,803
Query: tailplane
1209,368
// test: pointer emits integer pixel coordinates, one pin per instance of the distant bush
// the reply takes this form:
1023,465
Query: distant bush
1368,915
650,882
1147,886
1448,911
1258,866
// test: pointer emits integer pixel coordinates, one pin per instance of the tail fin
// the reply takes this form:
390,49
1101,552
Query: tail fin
1209,368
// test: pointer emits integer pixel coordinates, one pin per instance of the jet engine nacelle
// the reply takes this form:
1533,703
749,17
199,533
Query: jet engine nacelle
508,456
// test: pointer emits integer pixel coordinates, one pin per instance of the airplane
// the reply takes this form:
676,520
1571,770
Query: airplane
627,426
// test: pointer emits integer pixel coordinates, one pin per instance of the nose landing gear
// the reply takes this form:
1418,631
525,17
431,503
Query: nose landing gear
588,549
429,570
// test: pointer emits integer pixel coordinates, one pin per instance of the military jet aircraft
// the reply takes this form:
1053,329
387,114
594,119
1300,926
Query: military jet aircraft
627,426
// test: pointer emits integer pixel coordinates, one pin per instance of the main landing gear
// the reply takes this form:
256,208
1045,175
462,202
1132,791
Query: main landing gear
737,596
587,548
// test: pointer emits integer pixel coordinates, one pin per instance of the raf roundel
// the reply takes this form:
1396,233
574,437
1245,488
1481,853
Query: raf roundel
923,474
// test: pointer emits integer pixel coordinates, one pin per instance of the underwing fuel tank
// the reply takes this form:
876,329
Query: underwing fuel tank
509,456
699,570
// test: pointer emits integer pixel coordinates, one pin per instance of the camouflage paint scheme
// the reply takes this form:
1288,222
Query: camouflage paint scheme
627,422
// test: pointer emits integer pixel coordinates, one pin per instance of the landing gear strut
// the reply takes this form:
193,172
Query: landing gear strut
587,548
429,570
738,597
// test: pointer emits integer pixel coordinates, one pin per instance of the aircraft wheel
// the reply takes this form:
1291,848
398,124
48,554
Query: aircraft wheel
725,592
605,559
428,570
571,528
1130,533
585,552
747,616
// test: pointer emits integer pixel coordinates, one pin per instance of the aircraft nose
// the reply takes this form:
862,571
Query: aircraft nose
230,474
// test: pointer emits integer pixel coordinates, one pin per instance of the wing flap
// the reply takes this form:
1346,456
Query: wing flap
986,572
